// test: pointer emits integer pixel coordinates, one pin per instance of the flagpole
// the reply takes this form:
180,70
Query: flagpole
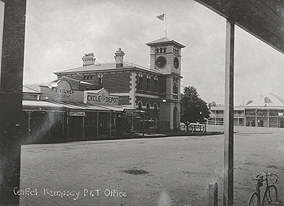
165,25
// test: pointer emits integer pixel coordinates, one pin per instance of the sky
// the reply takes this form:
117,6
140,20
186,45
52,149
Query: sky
60,32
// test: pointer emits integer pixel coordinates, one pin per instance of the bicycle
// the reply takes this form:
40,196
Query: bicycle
270,192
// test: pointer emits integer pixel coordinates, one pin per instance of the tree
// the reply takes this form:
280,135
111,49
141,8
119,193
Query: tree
212,104
193,108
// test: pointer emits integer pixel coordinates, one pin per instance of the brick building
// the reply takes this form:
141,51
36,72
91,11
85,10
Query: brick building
120,95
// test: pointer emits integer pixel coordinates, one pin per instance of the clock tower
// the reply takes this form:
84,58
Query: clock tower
165,57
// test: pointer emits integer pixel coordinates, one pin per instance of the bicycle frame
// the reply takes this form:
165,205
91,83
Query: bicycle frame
266,194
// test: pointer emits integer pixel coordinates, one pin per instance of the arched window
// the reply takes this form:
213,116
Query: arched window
148,110
139,81
175,118
155,111
140,105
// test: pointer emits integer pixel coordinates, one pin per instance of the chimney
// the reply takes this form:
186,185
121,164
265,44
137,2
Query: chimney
119,58
89,59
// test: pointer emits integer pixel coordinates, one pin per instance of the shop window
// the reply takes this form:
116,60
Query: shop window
148,110
155,111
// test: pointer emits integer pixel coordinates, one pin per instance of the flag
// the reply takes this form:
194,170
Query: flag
161,17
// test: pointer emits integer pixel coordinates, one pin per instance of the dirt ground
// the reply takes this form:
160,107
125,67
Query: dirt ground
153,171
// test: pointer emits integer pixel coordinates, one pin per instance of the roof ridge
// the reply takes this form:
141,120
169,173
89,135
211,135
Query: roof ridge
277,97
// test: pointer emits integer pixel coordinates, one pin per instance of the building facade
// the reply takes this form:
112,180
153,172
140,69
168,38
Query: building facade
118,96
265,111
154,90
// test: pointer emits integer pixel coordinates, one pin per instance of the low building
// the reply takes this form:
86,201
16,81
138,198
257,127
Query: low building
265,111
217,115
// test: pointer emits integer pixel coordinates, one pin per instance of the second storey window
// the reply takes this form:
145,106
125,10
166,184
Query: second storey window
148,83
88,77
139,81
175,86
100,81
156,84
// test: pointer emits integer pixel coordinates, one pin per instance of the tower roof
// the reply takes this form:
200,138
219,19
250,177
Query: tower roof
164,40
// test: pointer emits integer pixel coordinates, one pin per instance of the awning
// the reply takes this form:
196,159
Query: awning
261,18
37,105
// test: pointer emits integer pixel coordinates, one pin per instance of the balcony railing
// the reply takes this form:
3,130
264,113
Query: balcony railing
222,115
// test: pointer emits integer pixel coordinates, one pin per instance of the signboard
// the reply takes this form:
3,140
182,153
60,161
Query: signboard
100,97
133,112
2,7
62,91
76,114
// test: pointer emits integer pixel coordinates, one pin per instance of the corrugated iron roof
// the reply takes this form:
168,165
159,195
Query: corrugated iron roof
102,67
33,88
262,18
163,41
41,105
267,100
47,105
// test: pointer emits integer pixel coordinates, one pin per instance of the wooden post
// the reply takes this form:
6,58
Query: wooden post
84,127
29,122
115,125
256,122
97,125
268,118
143,124
110,124
12,47
228,195
67,122
213,194
63,124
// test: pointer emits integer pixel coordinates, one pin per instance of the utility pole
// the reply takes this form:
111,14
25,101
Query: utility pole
11,79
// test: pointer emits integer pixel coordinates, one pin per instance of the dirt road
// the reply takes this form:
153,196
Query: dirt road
160,171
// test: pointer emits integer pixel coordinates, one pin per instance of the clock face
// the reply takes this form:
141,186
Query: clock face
161,62
176,62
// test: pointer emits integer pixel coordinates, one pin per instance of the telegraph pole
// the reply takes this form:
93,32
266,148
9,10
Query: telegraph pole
11,79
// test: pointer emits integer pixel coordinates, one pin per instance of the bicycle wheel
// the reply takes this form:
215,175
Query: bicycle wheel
271,195
253,199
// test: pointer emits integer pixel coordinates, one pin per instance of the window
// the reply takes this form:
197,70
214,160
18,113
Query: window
155,84
140,105
148,110
161,50
155,111
88,77
175,86
148,83
100,81
140,86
